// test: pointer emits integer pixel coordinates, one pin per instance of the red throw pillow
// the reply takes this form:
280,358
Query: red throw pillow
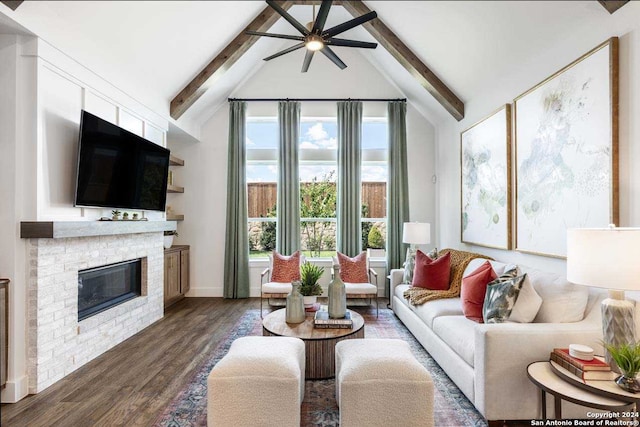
285,269
432,274
474,289
353,270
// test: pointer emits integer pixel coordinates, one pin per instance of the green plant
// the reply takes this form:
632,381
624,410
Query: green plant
376,241
115,212
627,357
309,276
318,200
268,235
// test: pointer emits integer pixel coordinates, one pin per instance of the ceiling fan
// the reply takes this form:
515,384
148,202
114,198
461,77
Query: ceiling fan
316,38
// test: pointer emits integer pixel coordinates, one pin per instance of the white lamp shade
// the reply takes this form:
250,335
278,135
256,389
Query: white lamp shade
416,233
604,257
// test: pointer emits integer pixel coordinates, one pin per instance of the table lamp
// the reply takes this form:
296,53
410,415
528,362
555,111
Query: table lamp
608,258
414,233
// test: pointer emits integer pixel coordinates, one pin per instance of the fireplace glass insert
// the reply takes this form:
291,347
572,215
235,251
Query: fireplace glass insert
103,287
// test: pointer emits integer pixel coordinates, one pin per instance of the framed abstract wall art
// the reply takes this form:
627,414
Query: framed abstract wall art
566,135
485,156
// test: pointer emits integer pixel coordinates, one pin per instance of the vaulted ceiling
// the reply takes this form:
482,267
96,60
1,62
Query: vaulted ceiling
153,49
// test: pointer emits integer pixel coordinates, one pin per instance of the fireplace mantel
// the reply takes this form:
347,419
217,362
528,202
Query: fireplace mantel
67,229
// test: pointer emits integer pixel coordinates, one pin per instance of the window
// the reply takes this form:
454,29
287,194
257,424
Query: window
262,181
318,172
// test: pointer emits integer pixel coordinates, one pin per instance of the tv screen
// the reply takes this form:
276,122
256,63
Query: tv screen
118,169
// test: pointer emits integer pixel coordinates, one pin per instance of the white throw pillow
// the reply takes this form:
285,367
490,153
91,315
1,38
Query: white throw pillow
527,304
562,301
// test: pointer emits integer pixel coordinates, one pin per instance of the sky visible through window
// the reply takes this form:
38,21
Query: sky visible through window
315,134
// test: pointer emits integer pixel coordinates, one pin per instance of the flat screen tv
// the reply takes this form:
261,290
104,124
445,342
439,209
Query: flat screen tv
119,169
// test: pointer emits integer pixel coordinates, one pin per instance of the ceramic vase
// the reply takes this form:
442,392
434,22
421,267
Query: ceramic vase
337,296
295,305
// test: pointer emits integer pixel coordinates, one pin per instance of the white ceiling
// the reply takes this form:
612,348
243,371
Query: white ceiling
152,49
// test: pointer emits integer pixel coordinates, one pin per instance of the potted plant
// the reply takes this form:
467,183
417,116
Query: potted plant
376,243
168,238
309,286
115,215
125,216
627,357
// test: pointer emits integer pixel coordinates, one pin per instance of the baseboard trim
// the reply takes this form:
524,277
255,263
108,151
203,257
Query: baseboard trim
15,390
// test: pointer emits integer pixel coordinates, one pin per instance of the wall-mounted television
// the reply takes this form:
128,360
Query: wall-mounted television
119,169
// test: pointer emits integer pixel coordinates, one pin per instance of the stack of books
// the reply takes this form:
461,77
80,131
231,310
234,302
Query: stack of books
322,320
587,370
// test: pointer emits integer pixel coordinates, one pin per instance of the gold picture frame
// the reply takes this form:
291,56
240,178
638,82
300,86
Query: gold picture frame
566,152
485,181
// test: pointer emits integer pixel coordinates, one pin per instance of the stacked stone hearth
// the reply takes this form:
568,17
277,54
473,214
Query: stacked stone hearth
58,343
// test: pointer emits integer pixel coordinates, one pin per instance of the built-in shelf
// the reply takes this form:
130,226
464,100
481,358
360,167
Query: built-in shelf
175,161
66,229
175,189
175,217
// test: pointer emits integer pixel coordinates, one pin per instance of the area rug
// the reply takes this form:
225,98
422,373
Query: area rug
319,408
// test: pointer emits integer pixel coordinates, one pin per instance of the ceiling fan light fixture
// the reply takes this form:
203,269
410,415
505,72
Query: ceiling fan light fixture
314,42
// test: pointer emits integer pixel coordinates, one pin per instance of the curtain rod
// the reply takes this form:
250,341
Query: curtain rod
318,99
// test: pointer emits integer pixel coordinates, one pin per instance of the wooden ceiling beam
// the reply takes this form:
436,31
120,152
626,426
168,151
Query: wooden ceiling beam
408,60
12,4
612,5
223,61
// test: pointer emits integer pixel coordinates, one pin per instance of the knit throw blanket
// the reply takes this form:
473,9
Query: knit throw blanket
459,262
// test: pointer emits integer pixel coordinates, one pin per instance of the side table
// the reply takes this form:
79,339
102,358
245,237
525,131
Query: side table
546,378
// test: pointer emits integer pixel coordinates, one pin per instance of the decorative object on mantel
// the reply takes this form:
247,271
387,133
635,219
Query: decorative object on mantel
168,238
315,38
310,288
627,357
115,214
294,311
414,233
135,216
607,258
125,216
485,158
566,131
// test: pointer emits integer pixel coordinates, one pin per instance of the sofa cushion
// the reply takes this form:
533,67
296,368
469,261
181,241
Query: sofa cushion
360,288
432,274
276,288
431,310
501,297
527,305
458,333
473,290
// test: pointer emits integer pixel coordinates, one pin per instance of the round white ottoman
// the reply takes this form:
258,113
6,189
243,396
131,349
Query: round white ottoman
260,382
380,383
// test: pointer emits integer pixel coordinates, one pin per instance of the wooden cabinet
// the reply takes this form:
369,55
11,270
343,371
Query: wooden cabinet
176,273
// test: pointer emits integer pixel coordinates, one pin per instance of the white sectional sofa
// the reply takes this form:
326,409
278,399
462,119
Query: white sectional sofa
488,361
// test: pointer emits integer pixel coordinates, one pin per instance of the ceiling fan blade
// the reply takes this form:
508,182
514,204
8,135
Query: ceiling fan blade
350,43
333,57
277,36
298,26
307,60
334,31
322,16
287,50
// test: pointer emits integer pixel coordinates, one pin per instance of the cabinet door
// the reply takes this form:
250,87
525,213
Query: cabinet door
184,271
171,275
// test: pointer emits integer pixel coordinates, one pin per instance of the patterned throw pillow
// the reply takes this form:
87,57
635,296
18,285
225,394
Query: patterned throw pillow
407,276
432,274
285,269
353,270
501,296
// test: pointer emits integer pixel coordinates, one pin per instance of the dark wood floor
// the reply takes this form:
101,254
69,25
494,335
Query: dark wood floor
131,384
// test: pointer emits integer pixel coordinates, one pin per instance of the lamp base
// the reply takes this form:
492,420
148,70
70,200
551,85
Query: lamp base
618,326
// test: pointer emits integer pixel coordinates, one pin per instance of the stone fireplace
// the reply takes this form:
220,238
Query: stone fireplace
59,341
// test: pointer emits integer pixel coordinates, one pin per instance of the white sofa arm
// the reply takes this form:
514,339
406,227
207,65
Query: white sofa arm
395,279
502,354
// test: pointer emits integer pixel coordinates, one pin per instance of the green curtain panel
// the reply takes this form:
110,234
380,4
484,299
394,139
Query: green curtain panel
349,232
398,188
288,205
236,253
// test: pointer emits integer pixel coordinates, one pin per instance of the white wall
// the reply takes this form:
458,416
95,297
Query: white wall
43,93
503,88
205,172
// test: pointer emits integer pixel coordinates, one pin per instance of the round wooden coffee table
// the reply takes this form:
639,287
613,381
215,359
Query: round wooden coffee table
319,344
